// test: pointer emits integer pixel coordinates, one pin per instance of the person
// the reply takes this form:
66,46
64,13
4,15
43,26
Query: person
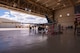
59,26
35,29
75,24
30,28
39,29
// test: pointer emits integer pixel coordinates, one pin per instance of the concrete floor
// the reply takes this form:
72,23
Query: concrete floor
21,41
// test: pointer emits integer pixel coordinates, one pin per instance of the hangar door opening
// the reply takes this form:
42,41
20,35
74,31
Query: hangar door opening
11,18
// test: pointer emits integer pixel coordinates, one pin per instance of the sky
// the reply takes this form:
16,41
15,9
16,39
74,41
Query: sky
21,17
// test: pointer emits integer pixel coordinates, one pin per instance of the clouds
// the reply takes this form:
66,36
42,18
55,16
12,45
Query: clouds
21,17
7,13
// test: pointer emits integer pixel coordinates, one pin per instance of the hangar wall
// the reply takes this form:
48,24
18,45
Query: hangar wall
65,17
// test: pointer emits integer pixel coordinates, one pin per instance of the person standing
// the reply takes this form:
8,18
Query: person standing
75,24
30,28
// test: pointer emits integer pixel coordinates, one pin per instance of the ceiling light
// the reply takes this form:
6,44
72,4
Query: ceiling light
60,16
58,3
68,14
29,10
14,5
26,9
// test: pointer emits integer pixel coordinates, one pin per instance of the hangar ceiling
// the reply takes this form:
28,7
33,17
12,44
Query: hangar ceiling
40,6
57,4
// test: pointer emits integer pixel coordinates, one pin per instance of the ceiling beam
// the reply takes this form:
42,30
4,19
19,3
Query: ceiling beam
20,10
46,2
38,5
28,4
18,2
